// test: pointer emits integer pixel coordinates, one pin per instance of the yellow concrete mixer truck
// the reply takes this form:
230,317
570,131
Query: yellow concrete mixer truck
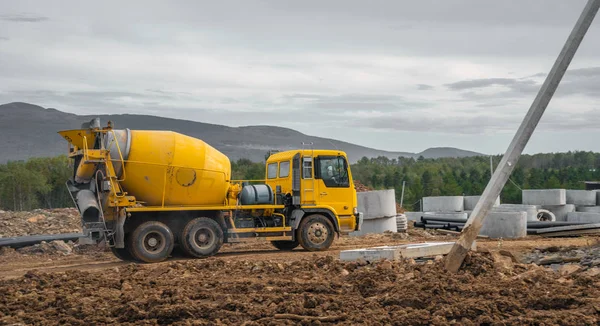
148,192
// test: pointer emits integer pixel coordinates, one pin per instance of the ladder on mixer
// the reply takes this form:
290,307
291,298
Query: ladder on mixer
308,191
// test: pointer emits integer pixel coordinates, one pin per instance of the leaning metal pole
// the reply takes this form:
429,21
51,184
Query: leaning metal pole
460,249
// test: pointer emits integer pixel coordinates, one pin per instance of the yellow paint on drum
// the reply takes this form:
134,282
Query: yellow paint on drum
188,170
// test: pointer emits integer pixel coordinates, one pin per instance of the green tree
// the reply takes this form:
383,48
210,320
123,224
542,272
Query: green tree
21,187
552,183
451,187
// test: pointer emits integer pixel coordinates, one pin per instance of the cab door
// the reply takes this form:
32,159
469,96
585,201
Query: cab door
333,186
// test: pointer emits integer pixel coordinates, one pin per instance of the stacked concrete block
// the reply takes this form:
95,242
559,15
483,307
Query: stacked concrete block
585,201
545,197
379,211
377,204
507,225
471,201
413,216
379,225
530,210
560,211
440,206
588,209
583,217
443,204
581,197
446,215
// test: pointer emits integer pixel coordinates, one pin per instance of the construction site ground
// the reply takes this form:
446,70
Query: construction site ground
255,284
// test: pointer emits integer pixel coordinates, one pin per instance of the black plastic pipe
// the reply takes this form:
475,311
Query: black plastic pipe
442,219
18,242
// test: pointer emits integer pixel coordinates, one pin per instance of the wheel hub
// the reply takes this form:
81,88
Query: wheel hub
204,238
154,242
317,233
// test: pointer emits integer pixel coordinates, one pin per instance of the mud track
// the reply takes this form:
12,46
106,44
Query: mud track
256,251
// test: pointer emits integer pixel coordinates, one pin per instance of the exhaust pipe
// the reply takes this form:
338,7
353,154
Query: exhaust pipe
88,206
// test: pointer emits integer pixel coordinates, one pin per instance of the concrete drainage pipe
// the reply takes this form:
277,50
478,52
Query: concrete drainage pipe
545,215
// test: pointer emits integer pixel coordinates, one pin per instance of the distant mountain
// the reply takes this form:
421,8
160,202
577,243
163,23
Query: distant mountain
28,130
436,152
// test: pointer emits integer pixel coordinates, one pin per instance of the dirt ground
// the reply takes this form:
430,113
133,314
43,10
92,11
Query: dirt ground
254,284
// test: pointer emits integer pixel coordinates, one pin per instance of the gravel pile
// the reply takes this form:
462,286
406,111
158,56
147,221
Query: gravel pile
39,221
557,257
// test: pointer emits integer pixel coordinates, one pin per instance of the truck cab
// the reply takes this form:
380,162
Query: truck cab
318,181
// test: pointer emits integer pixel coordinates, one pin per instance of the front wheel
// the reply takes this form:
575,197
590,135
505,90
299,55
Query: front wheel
202,237
285,245
315,233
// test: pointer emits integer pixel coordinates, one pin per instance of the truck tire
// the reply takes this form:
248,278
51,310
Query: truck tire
151,242
285,245
201,237
122,253
315,233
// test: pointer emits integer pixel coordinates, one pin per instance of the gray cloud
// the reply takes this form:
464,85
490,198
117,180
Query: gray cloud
486,82
23,18
583,72
346,97
352,104
424,87
480,124
561,121
580,81
4,38
538,75
465,125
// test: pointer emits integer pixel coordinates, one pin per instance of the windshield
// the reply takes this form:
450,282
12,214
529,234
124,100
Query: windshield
334,171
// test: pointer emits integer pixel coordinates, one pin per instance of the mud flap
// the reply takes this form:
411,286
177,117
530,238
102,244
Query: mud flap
297,215
120,230
359,221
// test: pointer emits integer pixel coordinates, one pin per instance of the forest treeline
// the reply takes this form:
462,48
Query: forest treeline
40,182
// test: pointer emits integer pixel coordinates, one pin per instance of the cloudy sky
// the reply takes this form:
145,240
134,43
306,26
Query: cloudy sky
394,75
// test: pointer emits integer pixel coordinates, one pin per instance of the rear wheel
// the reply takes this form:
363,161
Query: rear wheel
315,233
285,245
151,242
201,237
122,253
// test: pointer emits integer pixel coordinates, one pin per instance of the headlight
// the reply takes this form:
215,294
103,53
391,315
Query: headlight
355,210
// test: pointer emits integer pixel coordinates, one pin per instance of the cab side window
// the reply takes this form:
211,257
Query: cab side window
333,170
284,169
307,168
272,171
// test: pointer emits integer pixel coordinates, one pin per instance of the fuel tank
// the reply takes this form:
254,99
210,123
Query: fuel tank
165,167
